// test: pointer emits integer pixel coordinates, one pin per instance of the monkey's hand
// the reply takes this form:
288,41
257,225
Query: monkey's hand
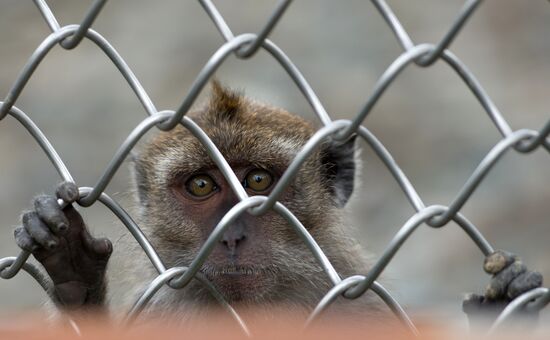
59,240
510,278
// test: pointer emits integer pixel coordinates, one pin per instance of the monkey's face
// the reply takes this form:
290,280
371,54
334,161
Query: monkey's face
244,263
183,196
254,257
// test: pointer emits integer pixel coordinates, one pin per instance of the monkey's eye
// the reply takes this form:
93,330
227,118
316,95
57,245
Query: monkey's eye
258,180
201,185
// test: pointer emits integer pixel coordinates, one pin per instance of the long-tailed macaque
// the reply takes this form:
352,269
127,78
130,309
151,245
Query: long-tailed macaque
260,260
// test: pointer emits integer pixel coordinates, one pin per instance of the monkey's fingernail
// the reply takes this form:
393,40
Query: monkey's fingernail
51,244
105,247
497,261
67,191
62,226
108,246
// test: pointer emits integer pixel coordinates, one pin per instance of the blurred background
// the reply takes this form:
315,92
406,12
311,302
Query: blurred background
428,119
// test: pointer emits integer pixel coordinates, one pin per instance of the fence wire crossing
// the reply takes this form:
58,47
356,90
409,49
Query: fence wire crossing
245,46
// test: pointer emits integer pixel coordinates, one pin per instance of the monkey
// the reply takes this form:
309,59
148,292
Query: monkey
259,261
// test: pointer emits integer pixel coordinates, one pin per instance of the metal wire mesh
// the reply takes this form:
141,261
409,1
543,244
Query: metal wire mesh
245,46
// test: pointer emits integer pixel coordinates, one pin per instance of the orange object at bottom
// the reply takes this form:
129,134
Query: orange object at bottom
220,327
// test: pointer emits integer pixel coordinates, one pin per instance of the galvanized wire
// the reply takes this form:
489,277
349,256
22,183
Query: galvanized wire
245,46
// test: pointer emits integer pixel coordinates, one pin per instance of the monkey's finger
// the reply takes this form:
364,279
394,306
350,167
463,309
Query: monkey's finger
24,240
50,212
67,191
39,231
499,283
101,247
497,261
523,283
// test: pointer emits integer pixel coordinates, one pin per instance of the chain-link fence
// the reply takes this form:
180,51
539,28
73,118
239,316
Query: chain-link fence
245,46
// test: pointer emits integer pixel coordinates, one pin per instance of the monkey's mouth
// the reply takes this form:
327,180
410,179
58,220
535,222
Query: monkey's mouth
239,283
231,270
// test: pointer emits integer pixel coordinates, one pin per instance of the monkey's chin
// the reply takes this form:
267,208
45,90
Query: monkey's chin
240,284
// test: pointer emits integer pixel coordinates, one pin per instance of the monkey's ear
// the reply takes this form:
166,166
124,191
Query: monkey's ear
139,177
339,164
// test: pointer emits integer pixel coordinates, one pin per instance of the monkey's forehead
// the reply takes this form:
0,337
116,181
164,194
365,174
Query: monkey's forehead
271,146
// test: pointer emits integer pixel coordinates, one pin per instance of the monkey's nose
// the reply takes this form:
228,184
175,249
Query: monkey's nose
233,238
232,243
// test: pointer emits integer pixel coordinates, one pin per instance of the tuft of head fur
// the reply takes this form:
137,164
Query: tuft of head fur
223,101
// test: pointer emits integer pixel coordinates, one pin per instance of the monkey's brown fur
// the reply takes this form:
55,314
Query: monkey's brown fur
260,261
246,132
